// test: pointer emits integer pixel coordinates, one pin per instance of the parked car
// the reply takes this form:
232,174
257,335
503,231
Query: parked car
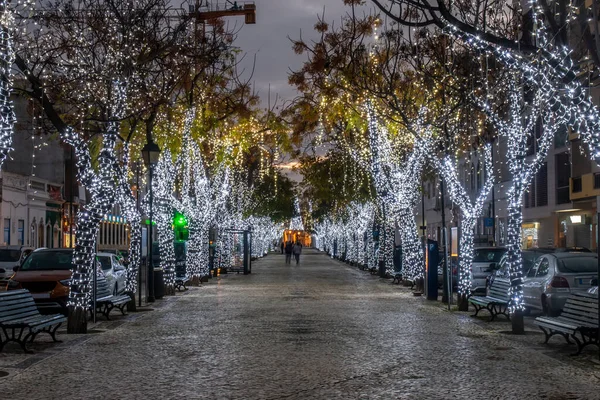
10,257
114,271
122,255
454,265
485,261
46,273
530,256
554,276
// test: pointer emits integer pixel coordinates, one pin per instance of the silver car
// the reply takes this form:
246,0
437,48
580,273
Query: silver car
485,262
114,271
554,276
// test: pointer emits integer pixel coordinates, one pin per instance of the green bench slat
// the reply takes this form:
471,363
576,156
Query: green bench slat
9,316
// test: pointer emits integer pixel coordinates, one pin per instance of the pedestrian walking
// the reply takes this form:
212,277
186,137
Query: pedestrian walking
297,250
288,252
282,246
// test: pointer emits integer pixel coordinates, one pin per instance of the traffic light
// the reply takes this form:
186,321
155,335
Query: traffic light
180,227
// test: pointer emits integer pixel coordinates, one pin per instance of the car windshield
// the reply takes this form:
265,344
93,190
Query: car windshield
578,264
9,255
488,255
104,262
48,260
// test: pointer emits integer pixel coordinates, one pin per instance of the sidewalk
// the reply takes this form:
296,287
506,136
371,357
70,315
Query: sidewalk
317,330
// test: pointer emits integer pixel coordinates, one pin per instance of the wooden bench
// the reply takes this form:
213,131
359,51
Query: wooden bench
21,321
181,281
181,277
105,301
496,302
578,321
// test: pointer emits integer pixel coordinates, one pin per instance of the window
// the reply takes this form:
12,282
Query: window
537,193
533,270
596,181
542,269
21,231
7,231
577,186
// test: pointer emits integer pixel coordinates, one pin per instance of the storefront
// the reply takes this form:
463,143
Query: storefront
576,229
294,236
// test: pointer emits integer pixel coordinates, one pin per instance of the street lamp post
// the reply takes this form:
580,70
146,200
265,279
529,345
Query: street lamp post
150,153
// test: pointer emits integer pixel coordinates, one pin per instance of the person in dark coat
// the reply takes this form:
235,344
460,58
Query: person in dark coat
288,252
282,246
297,249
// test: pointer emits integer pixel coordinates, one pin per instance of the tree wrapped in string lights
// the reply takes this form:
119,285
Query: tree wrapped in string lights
163,211
202,197
296,223
397,189
531,120
130,210
102,188
470,210
7,58
360,221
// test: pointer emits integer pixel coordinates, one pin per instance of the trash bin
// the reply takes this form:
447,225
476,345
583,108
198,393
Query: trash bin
159,283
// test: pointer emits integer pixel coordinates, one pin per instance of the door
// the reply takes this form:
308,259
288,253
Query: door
119,274
533,287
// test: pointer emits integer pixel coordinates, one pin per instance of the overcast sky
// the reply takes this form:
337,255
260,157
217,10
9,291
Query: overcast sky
268,39
276,20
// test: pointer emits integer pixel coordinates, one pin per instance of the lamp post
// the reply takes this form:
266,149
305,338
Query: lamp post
150,154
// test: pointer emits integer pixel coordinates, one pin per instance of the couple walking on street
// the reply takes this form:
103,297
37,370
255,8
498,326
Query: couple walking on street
294,249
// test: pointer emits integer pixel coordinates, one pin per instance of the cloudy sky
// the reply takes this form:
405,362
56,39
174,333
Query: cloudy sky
268,40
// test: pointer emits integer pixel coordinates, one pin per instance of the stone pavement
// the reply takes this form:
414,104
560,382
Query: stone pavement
319,330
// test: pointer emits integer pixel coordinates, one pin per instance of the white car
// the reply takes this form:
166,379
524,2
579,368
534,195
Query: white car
114,271
485,262
554,277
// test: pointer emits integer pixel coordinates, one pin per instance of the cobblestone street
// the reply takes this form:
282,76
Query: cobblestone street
319,330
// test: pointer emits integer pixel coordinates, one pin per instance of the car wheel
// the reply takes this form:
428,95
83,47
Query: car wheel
547,310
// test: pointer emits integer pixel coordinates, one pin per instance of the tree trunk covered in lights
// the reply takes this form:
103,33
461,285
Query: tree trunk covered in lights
102,192
514,246
134,219
389,244
412,254
465,272
88,222
193,257
204,251
7,57
166,240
